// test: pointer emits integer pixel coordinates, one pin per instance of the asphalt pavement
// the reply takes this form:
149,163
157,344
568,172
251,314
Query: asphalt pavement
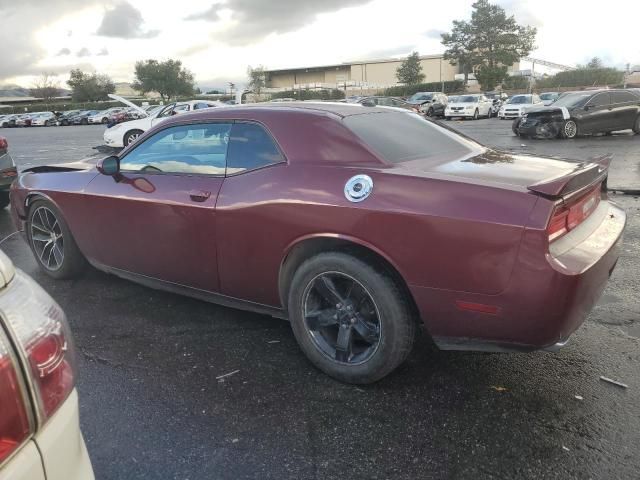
153,407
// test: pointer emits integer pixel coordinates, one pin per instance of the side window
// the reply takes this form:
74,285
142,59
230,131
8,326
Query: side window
600,100
250,147
623,97
192,149
200,106
181,109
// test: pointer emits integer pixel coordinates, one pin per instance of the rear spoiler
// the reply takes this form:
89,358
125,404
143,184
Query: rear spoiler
588,173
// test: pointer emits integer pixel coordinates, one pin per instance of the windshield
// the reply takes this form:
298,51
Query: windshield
401,137
468,99
420,97
519,99
153,110
572,100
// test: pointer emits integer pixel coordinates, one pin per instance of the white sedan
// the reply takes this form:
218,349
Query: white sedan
469,106
104,115
517,105
45,119
40,434
125,133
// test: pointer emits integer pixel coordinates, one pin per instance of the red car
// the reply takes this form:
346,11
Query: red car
356,223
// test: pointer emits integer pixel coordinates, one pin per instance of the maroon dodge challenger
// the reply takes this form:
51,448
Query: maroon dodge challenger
356,223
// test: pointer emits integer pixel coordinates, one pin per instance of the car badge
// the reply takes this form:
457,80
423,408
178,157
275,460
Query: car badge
358,188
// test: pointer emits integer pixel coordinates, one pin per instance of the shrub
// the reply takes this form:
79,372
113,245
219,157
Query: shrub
407,90
515,83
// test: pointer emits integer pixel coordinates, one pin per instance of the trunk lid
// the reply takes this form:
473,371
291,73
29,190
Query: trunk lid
551,177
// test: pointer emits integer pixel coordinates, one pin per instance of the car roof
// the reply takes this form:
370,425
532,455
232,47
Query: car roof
333,108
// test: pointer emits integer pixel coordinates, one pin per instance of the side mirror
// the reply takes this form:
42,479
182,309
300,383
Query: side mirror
109,166
587,108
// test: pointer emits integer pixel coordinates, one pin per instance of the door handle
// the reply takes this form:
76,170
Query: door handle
199,195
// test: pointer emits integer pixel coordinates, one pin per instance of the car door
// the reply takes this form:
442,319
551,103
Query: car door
625,109
157,216
598,115
247,269
485,106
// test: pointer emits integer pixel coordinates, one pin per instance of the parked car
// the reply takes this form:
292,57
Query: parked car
9,121
44,119
469,106
517,105
549,97
124,134
582,113
83,117
39,428
374,101
279,100
321,213
24,120
103,116
8,172
65,117
497,99
432,104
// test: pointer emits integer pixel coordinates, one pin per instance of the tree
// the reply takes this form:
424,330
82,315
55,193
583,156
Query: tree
46,86
89,86
490,43
410,72
595,62
257,79
168,78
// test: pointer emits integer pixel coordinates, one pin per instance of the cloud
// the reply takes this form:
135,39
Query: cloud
83,52
102,53
434,33
124,21
255,19
20,23
210,15
524,12
63,52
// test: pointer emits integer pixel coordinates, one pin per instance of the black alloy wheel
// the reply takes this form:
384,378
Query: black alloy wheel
342,318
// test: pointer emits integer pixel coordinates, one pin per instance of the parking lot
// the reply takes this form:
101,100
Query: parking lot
152,407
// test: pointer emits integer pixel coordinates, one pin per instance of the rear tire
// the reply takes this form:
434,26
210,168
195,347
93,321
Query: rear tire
351,300
52,243
105,121
636,127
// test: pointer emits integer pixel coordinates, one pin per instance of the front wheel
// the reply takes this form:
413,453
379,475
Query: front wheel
515,126
105,121
131,137
430,112
569,129
52,243
475,114
351,320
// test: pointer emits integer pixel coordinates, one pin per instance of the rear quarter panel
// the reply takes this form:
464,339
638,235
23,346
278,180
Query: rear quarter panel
437,233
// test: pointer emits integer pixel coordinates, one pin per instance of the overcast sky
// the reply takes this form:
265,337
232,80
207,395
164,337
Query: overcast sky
218,39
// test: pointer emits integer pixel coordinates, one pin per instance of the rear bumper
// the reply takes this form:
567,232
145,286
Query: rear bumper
548,296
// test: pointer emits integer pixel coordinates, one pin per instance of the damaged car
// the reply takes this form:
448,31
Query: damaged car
582,113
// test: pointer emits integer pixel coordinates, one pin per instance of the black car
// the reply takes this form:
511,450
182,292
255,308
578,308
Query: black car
65,117
580,113
432,104
9,121
374,101
8,172
83,117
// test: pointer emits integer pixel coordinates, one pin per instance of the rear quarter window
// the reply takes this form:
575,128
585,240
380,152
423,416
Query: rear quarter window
401,137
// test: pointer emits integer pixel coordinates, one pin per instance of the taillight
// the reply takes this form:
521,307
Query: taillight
14,419
568,216
42,334
3,143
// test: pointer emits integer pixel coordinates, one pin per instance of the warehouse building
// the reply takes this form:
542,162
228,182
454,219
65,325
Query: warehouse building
380,73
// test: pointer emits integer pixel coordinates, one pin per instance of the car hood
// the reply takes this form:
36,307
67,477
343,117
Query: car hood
500,169
128,103
462,104
85,164
519,105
